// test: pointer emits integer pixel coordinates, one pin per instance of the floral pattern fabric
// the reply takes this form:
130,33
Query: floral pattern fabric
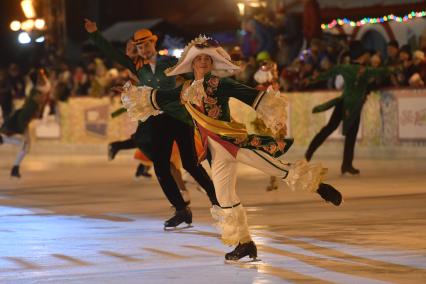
211,107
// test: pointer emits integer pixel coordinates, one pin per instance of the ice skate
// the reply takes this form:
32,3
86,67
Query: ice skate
15,173
112,151
329,194
247,249
142,171
181,216
350,170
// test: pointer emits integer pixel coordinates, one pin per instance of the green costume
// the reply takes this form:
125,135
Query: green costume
357,78
347,108
19,120
157,80
216,106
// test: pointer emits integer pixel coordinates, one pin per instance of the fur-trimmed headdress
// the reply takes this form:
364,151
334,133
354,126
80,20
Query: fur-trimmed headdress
203,45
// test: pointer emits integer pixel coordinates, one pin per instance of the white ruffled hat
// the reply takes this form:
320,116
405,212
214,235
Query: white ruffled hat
203,45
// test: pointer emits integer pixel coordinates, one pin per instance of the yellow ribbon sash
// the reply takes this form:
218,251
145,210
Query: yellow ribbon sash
225,128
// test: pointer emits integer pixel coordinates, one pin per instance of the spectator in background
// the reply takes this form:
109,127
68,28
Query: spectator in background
311,20
404,67
417,78
289,77
263,35
282,54
6,101
81,83
249,45
64,83
16,80
376,60
392,53
99,82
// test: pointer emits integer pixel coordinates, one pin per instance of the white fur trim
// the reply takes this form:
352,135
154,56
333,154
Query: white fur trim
305,176
232,224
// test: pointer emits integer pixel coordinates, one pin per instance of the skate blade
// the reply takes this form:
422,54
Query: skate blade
139,178
170,229
348,175
244,261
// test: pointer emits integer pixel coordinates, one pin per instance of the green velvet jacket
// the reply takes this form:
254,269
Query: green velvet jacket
216,105
357,78
157,80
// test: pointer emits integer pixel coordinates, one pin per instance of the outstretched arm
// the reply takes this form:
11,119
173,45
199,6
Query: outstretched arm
143,102
380,71
106,47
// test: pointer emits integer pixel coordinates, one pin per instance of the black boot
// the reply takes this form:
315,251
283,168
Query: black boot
242,250
184,215
1,139
142,171
112,151
15,172
351,170
329,194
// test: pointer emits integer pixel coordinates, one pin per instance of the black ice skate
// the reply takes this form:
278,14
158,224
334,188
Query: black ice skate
350,170
181,216
112,151
329,194
242,250
142,171
15,172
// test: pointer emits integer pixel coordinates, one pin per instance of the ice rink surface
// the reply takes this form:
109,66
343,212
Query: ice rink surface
82,219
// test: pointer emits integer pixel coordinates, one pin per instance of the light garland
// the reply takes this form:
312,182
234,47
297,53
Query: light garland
366,21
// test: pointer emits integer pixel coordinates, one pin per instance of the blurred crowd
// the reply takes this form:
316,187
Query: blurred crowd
294,49
321,56
93,80
273,51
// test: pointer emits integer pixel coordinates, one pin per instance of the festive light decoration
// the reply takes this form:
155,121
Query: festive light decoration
15,26
28,9
366,21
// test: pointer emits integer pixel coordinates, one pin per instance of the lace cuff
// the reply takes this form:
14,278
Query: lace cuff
139,102
305,176
271,108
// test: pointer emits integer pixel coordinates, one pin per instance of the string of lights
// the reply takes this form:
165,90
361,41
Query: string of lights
365,21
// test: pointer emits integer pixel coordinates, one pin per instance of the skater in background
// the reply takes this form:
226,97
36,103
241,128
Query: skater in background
15,129
347,108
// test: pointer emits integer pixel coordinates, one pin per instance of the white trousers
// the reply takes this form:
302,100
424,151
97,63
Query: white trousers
224,170
231,216
23,141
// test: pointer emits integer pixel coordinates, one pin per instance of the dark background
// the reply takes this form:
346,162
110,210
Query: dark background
190,16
